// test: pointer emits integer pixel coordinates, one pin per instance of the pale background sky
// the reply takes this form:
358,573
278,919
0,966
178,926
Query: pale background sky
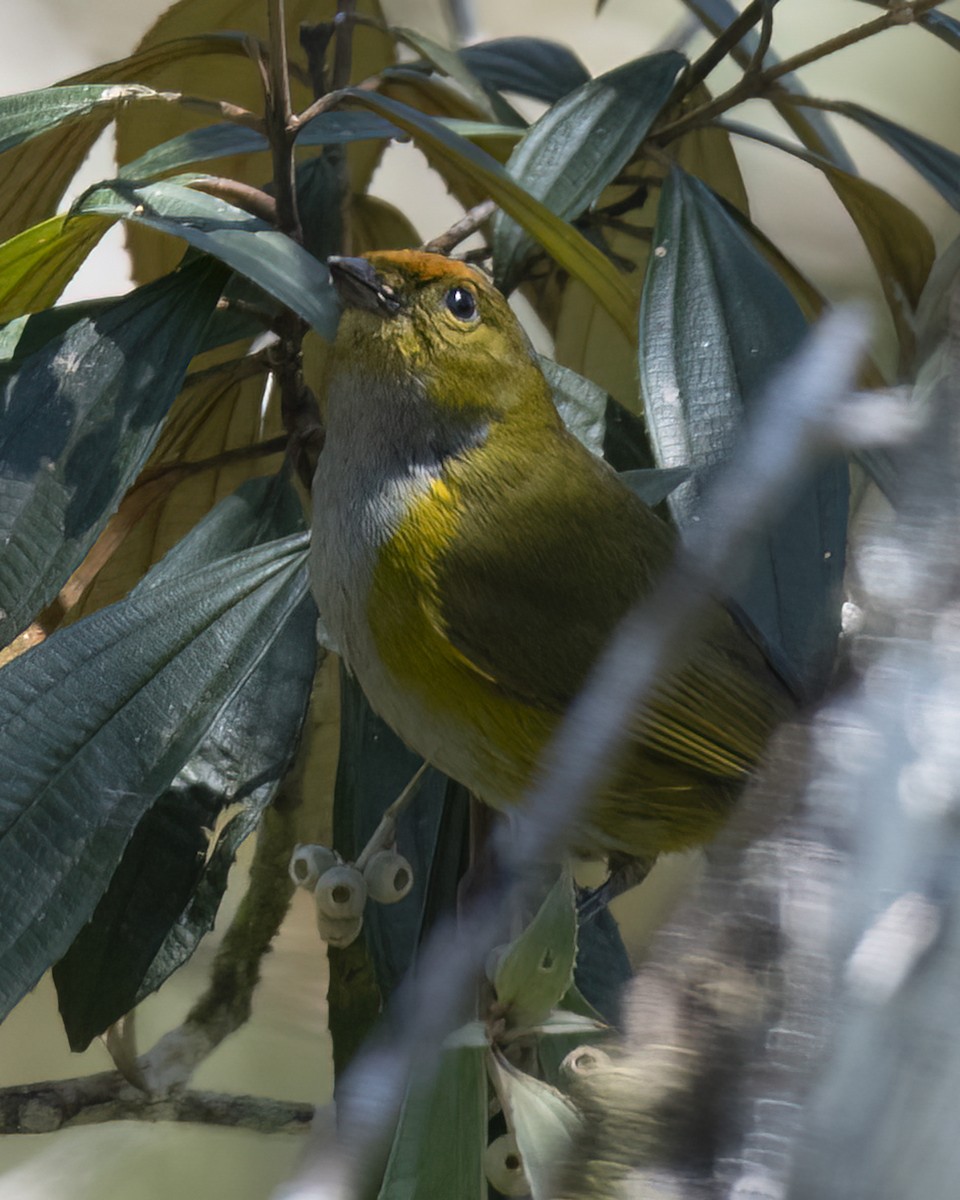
905,74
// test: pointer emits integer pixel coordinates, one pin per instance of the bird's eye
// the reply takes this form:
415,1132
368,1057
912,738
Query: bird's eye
462,303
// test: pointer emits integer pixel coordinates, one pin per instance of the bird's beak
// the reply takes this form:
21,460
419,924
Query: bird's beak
359,286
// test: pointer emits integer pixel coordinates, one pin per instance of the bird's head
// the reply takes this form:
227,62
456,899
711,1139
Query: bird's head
412,317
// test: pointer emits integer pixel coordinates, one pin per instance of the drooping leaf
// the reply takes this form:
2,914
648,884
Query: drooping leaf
938,165
29,114
250,246
449,62
242,759
569,247
946,28
530,66
536,969
580,145
543,1120
36,265
103,387
898,242
376,224
216,417
813,128
97,722
584,336
211,142
715,321
438,1145
36,174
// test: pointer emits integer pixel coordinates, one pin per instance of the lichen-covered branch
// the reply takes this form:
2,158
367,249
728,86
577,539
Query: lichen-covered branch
92,1099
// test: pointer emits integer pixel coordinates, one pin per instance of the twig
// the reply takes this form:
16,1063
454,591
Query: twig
763,42
184,468
755,11
468,224
897,14
802,417
278,117
759,83
343,44
385,833
244,195
93,1099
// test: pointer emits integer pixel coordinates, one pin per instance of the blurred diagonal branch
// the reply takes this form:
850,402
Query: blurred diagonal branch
804,415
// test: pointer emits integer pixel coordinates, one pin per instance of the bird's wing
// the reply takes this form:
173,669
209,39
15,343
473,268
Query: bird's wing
548,561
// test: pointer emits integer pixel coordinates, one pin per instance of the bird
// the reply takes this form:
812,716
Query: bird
471,559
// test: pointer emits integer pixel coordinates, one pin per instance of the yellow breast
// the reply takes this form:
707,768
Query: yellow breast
443,704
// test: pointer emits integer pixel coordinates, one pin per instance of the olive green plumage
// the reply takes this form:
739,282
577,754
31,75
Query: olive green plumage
472,559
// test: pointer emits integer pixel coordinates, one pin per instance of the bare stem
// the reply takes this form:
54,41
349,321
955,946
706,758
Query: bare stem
760,83
279,130
343,44
92,1099
385,833
468,224
722,45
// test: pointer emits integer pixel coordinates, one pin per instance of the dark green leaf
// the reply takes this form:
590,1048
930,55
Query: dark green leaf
898,242
529,66
219,141
250,246
945,28
81,415
242,758
812,128
715,322
97,722
31,113
320,205
374,767
580,145
559,238
438,1145
452,64
938,165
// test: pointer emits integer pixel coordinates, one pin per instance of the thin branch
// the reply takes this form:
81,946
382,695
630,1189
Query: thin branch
278,116
244,195
760,83
343,44
722,45
185,468
223,108
94,1099
897,14
468,224
385,834
763,43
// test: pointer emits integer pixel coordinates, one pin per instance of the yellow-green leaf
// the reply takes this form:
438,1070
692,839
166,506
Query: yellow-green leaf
36,265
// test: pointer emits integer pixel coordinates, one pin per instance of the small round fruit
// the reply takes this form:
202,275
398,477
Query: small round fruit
308,862
341,892
503,1167
389,877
